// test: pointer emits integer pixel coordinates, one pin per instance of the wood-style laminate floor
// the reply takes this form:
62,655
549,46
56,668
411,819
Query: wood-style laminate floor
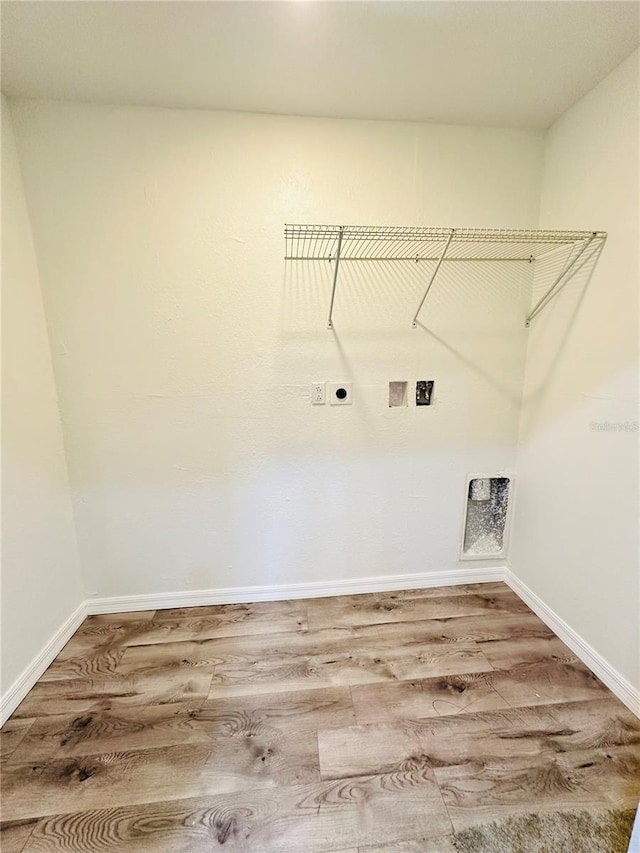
361,724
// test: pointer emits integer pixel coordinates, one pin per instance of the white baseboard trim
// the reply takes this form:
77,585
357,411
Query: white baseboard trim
284,592
619,686
23,684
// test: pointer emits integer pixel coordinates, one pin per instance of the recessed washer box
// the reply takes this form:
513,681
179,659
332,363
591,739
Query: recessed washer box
340,393
398,394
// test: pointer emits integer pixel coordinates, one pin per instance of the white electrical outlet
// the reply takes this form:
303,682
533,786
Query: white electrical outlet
340,393
318,393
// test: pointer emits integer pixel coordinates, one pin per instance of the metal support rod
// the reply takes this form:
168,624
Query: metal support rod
564,277
585,259
335,279
433,276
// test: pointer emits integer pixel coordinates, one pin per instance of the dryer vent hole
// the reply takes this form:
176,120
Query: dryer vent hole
486,518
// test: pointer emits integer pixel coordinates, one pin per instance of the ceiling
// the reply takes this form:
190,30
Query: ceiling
502,63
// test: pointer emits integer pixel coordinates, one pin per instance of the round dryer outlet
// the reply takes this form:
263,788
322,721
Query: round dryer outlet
340,393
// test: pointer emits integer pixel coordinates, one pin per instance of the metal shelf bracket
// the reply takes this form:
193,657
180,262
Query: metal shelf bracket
433,277
335,278
568,271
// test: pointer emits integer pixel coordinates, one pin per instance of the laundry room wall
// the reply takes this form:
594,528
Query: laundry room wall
184,345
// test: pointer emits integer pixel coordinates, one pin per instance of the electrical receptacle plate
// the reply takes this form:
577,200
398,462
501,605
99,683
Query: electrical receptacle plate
318,393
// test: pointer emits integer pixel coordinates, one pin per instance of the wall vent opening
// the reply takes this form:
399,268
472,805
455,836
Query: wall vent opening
485,531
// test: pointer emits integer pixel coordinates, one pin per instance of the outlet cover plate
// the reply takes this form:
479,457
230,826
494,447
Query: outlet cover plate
318,393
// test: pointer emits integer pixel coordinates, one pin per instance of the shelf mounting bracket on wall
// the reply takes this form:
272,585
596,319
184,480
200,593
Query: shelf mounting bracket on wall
433,277
568,271
367,243
335,279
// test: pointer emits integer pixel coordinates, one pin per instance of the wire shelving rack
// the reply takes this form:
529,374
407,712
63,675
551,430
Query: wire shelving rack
342,243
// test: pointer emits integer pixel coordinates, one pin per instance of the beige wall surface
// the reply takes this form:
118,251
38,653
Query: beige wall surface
41,584
575,539
185,346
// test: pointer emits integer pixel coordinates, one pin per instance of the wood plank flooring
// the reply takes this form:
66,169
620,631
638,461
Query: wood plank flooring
360,724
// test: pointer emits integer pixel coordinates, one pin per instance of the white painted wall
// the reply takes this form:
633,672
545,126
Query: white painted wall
575,535
184,346
41,583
